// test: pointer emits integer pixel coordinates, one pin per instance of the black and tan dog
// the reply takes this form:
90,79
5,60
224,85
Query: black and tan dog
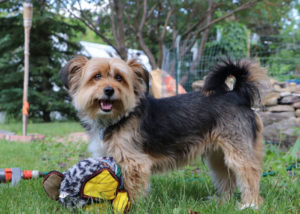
146,135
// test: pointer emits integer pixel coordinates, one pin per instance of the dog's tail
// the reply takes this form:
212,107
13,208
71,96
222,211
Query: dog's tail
250,80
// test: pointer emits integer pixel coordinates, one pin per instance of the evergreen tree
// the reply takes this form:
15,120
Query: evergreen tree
50,47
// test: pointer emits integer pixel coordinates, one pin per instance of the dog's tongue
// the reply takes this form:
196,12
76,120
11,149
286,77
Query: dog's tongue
106,105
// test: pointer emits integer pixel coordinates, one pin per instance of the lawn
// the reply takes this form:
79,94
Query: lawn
176,192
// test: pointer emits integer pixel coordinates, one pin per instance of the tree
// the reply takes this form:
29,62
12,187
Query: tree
267,17
50,47
149,24
98,20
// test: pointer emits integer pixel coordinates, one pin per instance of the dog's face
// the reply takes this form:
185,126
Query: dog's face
105,87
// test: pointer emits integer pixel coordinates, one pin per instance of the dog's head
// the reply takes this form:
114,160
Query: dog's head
105,88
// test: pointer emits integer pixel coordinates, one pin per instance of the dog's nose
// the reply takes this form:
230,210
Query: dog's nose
109,91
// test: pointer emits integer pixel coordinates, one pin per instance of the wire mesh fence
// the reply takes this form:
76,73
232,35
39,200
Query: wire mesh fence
280,55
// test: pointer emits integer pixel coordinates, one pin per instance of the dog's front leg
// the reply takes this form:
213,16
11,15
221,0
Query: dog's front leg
136,175
135,165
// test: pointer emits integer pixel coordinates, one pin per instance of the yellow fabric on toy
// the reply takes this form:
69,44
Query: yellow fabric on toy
103,186
121,203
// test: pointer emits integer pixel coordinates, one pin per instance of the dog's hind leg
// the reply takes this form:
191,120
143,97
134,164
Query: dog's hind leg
222,177
246,165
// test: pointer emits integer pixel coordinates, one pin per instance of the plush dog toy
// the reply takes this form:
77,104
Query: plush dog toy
89,183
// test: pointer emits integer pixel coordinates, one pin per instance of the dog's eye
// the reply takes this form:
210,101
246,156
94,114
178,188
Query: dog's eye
97,76
118,78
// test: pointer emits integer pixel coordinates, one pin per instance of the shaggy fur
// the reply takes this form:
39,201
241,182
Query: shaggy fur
146,135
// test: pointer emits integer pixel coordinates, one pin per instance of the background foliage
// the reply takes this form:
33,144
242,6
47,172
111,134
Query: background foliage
194,32
50,47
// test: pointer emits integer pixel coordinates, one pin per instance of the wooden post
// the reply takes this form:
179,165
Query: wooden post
27,16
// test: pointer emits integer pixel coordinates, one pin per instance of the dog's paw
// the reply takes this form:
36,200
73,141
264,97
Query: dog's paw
245,206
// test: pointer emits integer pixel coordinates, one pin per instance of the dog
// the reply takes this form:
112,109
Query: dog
147,135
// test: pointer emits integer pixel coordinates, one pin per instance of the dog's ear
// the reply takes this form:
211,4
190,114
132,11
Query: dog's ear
142,77
70,74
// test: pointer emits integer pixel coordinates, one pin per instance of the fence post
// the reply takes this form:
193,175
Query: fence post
27,16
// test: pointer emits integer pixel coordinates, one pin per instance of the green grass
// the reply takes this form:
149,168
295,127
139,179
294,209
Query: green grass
48,129
173,193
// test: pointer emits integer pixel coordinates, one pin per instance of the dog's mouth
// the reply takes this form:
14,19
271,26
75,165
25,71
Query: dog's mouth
106,105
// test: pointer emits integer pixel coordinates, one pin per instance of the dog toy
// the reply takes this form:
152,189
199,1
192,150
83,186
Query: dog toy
14,175
89,183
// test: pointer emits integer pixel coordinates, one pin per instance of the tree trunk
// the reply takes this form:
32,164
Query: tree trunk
160,54
46,116
201,47
200,50
118,29
146,50
139,35
161,38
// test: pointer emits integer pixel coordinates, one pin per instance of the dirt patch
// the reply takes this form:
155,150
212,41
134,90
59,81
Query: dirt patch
74,137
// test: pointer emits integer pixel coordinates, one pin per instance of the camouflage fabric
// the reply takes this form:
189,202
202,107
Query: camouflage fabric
71,188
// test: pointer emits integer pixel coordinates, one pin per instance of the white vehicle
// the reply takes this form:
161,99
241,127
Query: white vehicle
99,50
